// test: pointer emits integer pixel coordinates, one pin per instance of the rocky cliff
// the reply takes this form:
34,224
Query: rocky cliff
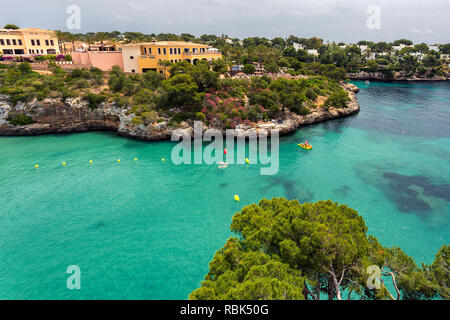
397,76
74,115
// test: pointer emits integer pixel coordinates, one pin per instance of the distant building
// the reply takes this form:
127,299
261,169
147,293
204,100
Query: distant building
29,41
76,46
143,57
297,46
313,52
400,47
434,48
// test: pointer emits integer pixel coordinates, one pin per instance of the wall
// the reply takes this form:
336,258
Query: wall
128,63
103,60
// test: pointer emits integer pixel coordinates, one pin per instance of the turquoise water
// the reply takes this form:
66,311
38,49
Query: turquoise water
147,229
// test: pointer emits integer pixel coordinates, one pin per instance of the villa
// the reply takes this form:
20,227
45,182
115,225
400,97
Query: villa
143,57
28,41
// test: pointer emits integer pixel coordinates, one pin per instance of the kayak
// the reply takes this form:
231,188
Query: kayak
302,145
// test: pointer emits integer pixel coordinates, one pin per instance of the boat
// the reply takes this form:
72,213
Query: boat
366,82
302,145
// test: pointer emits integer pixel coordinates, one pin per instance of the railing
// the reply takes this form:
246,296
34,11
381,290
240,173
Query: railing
201,53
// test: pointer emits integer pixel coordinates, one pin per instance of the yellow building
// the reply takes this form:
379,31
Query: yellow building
29,41
143,57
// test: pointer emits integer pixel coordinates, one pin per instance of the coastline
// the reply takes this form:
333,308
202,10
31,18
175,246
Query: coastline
74,115
379,76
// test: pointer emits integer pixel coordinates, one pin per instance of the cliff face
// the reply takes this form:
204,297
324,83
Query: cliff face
398,76
74,115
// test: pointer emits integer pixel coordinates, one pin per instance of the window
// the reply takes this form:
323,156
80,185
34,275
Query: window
186,50
159,50
14,42
132,70
8,42
20,42
171,51
131,57
51,42
179,50
38,42
32,42
2,42
8,51
145,50
149,50
46,43
164,50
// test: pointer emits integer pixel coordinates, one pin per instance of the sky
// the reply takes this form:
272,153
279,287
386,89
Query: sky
333,20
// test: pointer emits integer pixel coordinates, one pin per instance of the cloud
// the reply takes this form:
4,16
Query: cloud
427,31
121,17
334,20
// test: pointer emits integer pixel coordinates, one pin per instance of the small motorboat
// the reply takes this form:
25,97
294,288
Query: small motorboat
307,147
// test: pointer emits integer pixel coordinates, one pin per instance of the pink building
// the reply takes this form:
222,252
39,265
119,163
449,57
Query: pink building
103,60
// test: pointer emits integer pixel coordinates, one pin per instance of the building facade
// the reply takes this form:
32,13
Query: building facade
143,57
29,41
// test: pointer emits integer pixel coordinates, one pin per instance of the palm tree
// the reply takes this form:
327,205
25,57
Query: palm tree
61,36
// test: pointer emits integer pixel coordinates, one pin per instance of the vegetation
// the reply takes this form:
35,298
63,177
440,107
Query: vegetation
333,60
288,250
11,26
191,92
18,119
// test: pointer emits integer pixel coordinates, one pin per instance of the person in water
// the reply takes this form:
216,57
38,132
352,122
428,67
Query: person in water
306,143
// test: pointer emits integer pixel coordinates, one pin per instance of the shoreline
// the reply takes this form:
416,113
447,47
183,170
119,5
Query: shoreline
53,116
379,76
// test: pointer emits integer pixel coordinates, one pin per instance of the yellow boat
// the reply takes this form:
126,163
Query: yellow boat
302,145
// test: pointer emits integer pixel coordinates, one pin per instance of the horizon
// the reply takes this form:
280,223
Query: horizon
333,21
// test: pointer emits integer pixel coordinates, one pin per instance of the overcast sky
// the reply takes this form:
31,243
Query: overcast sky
334,20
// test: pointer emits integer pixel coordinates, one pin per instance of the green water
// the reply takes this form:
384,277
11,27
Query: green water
147,229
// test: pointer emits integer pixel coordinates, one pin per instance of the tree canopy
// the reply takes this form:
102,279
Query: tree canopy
320,247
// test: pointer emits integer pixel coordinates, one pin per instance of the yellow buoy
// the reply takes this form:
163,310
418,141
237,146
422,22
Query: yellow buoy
247,161
135,159
36,166
236,197
118,160
163,159
63,163
90,161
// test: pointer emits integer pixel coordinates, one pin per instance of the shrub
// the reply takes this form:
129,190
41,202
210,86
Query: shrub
18,119
337,99
94,100
311,94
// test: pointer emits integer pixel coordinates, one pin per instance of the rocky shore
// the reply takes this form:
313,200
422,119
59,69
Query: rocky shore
398,76
74,115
